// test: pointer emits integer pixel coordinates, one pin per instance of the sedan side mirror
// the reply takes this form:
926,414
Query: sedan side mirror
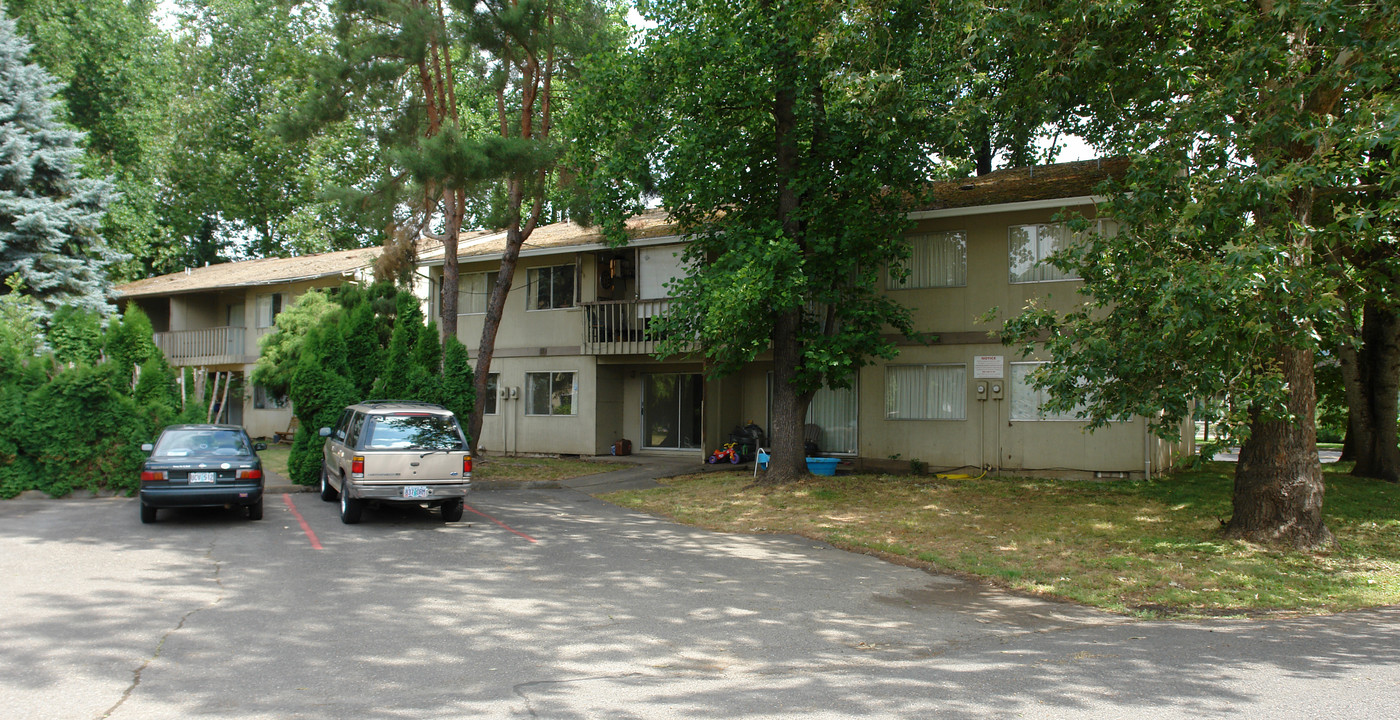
325,432
147,447
259,447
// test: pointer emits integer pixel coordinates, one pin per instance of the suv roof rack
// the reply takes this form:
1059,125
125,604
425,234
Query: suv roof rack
401,402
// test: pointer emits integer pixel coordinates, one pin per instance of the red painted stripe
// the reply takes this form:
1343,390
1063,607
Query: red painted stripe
498,522
310,534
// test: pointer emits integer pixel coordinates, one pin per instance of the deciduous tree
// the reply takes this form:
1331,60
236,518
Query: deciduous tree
1252,126
784,138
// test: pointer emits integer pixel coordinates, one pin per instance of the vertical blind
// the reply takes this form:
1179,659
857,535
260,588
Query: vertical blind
926,392
834,411
935,260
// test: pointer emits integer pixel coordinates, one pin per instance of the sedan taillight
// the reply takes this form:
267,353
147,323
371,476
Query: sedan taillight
153,475
249,474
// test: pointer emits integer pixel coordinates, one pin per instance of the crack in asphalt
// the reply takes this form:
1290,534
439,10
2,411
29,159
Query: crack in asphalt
136,676
519,689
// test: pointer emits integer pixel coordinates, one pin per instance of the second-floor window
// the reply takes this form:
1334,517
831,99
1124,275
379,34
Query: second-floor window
473,290
550,287
268,307
935,260
1032,245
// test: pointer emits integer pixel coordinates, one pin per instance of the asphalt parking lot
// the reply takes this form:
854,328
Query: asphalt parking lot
548,603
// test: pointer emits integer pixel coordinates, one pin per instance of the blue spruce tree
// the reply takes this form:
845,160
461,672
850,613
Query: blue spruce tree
49,215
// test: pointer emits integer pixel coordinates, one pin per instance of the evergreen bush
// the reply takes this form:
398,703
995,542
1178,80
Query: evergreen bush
458,380
75,334
320,390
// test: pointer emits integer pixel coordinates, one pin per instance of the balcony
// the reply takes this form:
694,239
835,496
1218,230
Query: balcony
210,346
621,327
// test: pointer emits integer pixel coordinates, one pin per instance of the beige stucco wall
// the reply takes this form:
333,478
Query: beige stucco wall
610,388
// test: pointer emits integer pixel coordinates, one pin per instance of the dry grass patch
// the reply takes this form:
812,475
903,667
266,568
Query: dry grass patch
1148,548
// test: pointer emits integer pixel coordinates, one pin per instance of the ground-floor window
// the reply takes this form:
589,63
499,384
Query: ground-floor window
832,419
551,393
264,400
1028,402
926,392
488,403
671,405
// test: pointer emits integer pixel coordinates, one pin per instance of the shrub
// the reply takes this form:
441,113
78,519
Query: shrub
320,390
458,380
75,334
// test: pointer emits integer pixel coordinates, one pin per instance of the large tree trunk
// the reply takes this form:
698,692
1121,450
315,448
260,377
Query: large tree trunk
495,308
1372,379
789,453
1278,480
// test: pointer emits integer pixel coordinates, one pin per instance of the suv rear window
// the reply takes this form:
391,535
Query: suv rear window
412,431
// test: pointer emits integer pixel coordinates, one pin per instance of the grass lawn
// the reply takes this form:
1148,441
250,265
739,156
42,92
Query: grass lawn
522,469
1144,548
274,458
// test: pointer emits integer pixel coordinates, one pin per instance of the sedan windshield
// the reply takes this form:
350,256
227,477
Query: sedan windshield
186,443
412,432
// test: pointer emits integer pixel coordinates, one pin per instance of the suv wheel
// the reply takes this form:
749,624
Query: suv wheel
350,508
452,510
328,492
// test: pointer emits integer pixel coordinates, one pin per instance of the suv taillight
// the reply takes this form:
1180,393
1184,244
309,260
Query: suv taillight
357,465
467,465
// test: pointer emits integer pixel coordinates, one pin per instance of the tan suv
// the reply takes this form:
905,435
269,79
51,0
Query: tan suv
391,451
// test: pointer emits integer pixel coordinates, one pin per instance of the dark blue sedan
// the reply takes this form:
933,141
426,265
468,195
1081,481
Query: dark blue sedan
202,466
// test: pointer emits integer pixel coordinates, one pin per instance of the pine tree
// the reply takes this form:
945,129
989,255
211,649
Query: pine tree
49,214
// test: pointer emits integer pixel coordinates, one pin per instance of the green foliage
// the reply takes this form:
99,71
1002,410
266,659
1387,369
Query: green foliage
362,344
20,329
1244,142
280,350
116,67
49,221
401,377
320,390
130,340
84,432
458,389
75,334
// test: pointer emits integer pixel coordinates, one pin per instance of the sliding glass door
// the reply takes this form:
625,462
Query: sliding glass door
671,405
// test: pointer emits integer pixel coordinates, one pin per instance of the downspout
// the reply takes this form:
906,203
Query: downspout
1146,449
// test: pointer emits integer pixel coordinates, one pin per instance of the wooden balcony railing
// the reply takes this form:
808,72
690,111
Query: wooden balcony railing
210,346
621,327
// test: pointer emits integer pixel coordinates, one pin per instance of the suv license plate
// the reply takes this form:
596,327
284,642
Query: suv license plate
203,477
416,491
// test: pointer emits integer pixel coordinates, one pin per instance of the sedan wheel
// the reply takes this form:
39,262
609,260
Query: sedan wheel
350,508
148,514
255,511
328,492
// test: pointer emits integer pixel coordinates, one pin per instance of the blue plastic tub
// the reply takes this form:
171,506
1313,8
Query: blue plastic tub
762,460
822,466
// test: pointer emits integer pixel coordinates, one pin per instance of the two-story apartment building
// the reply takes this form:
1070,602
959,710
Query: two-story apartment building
211,318
573,370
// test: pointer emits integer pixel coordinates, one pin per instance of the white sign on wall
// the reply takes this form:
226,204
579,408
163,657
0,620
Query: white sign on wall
988,367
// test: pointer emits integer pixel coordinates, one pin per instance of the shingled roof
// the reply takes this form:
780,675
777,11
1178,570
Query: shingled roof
1041,182
648,225
252,273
